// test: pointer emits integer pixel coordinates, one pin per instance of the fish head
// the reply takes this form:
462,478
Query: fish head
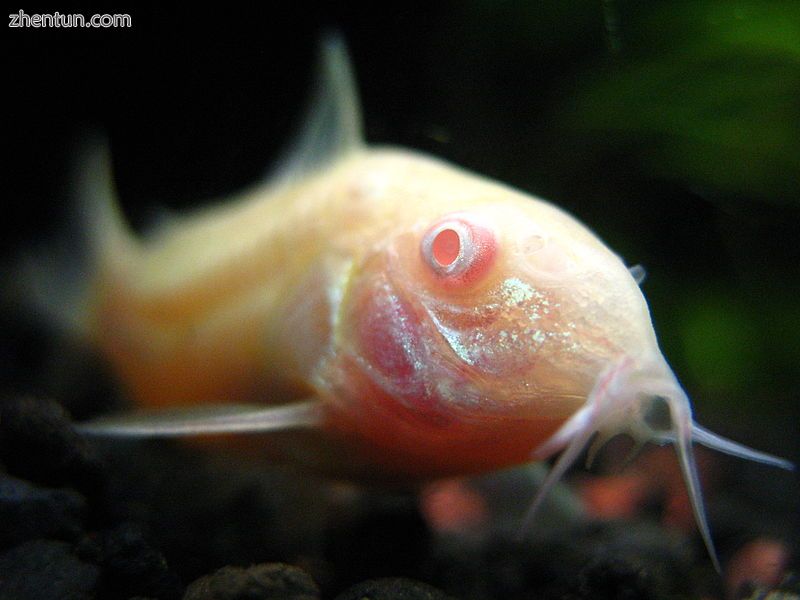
503,309
491,321
532,305
507,331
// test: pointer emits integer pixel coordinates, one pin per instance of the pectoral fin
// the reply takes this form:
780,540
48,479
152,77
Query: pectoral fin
208,419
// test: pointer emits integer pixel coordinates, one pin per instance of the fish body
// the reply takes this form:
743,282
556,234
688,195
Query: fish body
320,290
404,316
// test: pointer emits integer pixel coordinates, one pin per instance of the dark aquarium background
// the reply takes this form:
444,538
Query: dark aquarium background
670,128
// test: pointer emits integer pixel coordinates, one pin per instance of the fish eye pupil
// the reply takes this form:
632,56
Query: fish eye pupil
446,247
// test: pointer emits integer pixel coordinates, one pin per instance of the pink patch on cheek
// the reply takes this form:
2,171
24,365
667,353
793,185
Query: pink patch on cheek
389,333
390,342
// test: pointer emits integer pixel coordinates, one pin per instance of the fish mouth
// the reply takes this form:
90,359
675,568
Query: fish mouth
643,398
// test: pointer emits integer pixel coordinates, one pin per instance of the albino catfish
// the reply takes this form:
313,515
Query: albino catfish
419,320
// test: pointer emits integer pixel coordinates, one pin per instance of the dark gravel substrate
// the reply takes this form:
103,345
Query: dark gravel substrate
161,520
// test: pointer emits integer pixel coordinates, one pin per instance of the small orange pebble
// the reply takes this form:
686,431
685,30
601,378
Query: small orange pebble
404,319
655,475
615,496
451,505
761,562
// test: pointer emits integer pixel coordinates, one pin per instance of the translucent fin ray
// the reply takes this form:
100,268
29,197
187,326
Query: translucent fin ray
218,419
331,126
54,279
109,236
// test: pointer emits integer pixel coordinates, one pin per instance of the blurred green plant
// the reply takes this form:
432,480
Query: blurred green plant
709,92
734,351
721,345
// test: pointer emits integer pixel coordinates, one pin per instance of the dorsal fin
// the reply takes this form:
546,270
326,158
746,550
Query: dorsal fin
331,126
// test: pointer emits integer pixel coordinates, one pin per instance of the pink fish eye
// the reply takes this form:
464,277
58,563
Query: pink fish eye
458,250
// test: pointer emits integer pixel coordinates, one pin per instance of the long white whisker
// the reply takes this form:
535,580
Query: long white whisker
682,424
701,435
597,443
575,435
563,463
576,424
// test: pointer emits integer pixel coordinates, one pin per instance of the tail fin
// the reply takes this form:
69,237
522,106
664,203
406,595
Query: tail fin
56,280
109,239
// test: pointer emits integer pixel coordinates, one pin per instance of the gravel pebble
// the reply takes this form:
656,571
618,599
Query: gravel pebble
272,581
133,566
38,443
29,512
393,588
46,570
